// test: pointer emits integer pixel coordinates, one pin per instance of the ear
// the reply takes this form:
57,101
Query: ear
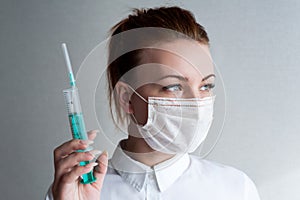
124,93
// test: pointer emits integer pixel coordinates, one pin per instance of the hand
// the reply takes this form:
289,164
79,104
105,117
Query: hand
66,183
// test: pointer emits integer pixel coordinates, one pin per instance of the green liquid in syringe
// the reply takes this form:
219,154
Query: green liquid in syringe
79,132
77,126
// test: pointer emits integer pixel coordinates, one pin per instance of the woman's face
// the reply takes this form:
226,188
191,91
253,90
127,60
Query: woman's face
182,69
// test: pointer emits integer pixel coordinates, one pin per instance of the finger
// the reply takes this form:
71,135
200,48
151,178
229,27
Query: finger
76,172
101,169
92,134
70,147
63,166
75,158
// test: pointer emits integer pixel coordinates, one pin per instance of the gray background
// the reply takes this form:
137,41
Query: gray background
254,43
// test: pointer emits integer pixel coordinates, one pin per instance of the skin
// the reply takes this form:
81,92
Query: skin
66,183
187,64
183,68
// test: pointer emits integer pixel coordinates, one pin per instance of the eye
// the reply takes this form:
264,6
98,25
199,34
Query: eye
172,88
207,87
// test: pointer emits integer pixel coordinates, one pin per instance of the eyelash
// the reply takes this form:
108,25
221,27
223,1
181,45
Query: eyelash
167,88
209,86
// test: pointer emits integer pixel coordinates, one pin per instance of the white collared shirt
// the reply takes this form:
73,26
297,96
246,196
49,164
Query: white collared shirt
182,177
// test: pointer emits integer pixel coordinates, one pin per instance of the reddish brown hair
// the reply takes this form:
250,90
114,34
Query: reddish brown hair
172,18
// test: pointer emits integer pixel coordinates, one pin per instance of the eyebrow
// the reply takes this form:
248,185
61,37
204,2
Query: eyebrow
184,78
208,76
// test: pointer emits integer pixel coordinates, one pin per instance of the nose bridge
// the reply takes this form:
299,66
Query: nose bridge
192,92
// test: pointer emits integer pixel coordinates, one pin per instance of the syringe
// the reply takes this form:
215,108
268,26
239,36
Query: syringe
75,115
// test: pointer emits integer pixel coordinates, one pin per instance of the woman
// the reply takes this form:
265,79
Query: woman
161,76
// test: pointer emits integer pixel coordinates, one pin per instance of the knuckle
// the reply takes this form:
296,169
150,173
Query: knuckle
75,141
82,156
75,144
64,178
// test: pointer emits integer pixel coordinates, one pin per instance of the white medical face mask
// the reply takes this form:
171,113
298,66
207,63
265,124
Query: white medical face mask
177,125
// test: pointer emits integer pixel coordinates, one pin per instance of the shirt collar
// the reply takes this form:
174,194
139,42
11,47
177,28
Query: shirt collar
135,173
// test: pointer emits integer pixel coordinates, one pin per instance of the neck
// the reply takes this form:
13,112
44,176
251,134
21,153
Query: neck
138,149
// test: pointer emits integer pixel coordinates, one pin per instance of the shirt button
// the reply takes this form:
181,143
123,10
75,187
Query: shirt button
151,176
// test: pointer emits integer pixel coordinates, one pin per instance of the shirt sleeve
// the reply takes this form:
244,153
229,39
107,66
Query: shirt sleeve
49,195
251,192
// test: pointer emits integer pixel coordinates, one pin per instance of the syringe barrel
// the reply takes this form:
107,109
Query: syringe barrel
77,126
75,113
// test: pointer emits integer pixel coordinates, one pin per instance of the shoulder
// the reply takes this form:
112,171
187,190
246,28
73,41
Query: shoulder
231,182
217,171
213,166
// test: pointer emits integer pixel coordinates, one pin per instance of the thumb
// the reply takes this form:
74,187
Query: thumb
101,169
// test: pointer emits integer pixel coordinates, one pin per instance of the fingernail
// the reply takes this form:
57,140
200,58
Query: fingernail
93,131
105,153
95,152
86,142
93,164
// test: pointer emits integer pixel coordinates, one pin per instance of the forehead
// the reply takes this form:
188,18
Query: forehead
182,57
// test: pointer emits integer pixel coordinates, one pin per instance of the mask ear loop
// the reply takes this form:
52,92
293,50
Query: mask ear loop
134,119
138,94
131,114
